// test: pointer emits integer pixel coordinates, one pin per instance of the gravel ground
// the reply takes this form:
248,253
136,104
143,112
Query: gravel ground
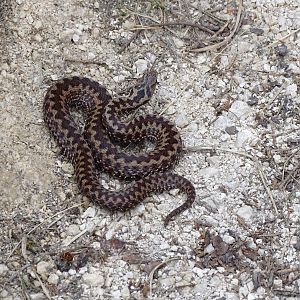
237,108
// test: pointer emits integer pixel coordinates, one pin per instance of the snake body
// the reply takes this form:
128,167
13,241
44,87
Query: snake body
96,148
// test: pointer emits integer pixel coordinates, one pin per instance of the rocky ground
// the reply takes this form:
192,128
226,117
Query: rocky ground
230,83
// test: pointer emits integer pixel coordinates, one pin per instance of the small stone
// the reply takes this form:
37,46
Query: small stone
244,138
53,279
231,130
115,294
277,283
72,230
240,109
94,279
291,90
245,212
125,292
222,122
208,172
37,296
277,158
181,120
224,61
67,168
110,234
4,294
72,272
75,38
141,66
167,282
257,31
43,268
38,24
281,50
119,78
253,100
38,38
209,249
297,245
232,296
3,269
89,213
228,239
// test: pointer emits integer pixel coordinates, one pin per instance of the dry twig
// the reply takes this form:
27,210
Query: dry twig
228,38
39,225
156,268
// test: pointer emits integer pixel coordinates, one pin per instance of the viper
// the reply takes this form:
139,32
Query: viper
97,148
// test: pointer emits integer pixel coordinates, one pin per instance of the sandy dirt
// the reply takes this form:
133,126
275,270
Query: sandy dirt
237,108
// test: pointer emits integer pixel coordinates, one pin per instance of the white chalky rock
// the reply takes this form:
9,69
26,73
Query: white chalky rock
240,109
72,230
3,269
245,212
43,268
94,279
89,213
141,66
53,279
181,120
222,122
245,137
291,90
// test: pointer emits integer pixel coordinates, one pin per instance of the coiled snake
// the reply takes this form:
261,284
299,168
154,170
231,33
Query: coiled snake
96,148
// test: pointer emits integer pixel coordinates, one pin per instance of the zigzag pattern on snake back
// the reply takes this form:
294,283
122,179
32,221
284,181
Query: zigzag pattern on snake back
94,149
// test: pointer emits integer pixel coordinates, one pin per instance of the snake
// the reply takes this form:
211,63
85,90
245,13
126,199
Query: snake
99,145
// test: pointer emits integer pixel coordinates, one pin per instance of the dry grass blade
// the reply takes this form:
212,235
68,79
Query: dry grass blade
39,225
45,290
155,269
283,38
179,23
228,38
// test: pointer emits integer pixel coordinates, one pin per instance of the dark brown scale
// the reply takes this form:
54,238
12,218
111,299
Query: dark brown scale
94,100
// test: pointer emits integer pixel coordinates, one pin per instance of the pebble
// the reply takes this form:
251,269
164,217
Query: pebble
119,78
208,172
3,269
43,268
168,282
240,109
4,295
281,50
253,100
94,279
53,279
245,137
291,90
223,122
75,38
228,239
37,296
182,120
72,230
125,292
209,249
245,212
231,130
141,66
89,213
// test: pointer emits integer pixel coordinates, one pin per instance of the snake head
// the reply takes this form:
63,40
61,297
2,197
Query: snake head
148,82
144,88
